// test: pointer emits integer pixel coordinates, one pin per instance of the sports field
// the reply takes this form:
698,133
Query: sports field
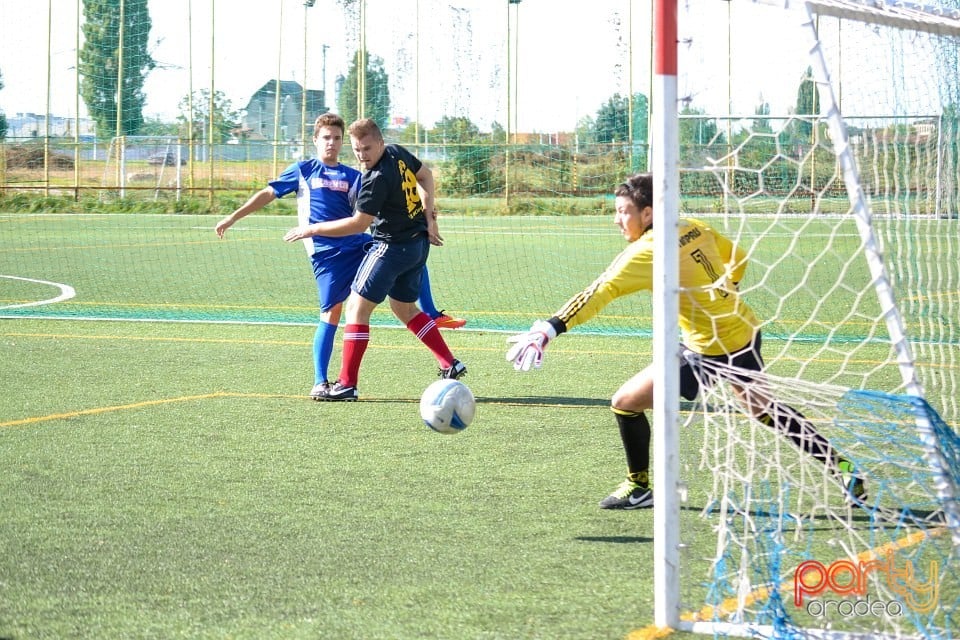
172,481
165,475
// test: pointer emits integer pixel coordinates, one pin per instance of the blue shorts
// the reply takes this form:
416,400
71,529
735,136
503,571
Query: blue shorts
334,268
691,373
393,269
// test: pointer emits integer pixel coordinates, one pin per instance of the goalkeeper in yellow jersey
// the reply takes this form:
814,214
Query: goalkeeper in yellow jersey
718,331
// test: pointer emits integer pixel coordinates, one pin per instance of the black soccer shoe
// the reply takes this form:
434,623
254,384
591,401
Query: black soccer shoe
341,393
629,495
319,390
856,491
453,372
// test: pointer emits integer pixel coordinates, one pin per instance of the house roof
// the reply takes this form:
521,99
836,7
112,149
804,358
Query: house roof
287,87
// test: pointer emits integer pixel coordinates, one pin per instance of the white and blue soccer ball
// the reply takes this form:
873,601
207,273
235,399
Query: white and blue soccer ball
447,406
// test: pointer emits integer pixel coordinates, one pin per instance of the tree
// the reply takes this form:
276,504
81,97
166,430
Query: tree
613,119
100,61
698,131
611,122
376,104
454,130
410,132
498,135
761,124
641,118
586,130
808,104
470,170
157,127
225,117
3,117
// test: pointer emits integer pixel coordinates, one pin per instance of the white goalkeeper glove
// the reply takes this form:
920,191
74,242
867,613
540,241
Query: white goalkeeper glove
527,349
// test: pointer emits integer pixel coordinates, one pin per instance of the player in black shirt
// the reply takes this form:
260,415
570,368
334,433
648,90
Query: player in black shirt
396,202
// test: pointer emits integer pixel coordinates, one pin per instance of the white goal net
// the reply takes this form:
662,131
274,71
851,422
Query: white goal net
847,201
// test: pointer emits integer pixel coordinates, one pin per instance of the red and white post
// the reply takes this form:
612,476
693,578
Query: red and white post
666,398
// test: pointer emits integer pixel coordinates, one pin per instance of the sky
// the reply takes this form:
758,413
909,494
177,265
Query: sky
566,57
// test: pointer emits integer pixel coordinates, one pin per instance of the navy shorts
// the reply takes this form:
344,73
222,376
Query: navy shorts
334,269
691,373
393,269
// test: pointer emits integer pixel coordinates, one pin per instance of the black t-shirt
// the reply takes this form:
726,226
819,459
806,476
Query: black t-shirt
388,190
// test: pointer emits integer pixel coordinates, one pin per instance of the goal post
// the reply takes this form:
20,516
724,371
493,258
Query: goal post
664,151
152,164
781,548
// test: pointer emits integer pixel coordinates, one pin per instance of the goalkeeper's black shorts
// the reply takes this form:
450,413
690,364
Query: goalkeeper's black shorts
697,369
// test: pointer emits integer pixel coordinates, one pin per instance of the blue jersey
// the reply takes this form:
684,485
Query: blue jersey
323,193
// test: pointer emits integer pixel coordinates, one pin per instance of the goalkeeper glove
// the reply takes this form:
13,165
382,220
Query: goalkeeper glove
527,349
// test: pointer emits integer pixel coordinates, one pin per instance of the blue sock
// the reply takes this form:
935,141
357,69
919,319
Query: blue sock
322,350
426,297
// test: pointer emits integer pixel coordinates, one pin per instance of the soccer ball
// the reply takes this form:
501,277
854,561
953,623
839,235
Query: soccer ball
447,406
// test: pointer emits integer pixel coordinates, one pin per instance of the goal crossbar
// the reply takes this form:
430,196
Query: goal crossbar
917,17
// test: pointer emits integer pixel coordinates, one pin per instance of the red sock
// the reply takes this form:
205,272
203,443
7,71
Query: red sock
426,331
355,340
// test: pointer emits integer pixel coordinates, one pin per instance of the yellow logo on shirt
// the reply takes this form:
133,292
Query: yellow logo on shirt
409,184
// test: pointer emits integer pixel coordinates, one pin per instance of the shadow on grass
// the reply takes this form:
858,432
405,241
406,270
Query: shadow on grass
526,401
615,539
857,518
565,401
545,401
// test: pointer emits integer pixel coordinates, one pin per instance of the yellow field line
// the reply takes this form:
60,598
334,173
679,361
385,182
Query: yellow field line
226,394
136,405
83,336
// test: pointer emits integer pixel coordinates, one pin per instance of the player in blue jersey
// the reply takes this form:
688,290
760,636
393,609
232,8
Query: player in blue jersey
327,190
396,202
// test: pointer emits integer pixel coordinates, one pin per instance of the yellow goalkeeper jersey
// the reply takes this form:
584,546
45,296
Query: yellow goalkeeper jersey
714,319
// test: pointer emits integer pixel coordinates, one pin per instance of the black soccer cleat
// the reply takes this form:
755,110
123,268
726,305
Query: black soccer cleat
340,393
629,495
319,390
454,371
856,492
